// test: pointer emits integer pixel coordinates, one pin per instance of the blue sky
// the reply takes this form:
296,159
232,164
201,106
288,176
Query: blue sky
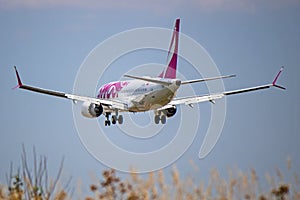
48,42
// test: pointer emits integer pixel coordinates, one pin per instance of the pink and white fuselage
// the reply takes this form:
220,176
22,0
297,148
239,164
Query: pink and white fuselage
140,95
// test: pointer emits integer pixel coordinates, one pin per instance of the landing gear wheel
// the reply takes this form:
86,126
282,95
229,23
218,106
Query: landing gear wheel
156,119
120,119
114,119
163,119
107,123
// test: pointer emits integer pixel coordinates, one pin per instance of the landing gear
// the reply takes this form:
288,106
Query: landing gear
156,119
160,117
114,119
107,121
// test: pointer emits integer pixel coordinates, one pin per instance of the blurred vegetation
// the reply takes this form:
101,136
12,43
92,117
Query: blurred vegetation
32,182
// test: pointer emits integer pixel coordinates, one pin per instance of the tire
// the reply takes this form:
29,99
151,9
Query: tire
114,119
120,119
163,119
156,119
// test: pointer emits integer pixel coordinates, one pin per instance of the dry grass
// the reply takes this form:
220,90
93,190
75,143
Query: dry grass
239,185
33,183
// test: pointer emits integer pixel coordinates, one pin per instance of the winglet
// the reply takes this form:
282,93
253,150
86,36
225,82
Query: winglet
275,79
19,79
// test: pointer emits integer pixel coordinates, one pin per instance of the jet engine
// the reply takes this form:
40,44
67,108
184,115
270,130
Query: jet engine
91,110
170,111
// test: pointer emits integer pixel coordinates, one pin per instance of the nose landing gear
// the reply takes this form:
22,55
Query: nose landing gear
107,121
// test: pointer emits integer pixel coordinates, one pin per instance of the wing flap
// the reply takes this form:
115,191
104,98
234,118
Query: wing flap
110,103
196,99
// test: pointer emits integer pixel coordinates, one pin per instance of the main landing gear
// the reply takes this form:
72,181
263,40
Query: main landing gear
160,117
114,119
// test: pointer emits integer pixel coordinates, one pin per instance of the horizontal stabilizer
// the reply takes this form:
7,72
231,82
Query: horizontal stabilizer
206,79
153,80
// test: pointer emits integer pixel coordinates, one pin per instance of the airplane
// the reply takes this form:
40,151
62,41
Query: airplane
141,94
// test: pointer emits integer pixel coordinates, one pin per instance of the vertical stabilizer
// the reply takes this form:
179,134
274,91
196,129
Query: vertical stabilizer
170,72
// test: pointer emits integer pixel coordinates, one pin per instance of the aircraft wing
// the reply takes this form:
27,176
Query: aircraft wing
212,97
108,103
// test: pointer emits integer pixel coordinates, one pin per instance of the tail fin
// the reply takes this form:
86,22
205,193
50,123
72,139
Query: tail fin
170,72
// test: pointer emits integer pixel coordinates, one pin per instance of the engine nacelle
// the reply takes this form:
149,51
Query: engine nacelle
91,110
170,112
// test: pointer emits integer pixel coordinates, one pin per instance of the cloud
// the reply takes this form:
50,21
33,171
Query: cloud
149,5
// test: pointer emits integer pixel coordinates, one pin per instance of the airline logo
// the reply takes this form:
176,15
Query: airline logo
111,90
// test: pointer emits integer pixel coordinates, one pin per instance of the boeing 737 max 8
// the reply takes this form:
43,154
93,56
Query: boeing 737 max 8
144,93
